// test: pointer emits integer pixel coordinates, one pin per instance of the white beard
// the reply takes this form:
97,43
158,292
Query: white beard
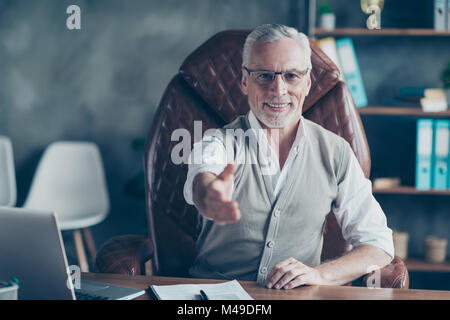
275,121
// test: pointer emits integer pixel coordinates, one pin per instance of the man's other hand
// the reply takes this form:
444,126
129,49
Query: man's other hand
291,273
217,202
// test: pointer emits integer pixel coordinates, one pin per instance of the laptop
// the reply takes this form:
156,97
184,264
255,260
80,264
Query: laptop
32,251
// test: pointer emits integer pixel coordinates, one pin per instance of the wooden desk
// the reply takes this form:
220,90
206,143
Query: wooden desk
261,293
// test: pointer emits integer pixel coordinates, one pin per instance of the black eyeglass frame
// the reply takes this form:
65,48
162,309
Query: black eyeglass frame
301,74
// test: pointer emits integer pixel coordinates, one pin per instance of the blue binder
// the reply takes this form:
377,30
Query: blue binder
440,15
424,153
350,69
440,154
448,15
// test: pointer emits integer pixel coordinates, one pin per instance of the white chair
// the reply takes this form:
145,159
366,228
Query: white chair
70,181
8,192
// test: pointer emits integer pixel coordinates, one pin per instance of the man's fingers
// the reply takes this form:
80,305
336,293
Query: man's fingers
215,194
291,273
220,189
227,172
229,219
224,211
278,266
228,213
286,281
278,273
296,282
219,205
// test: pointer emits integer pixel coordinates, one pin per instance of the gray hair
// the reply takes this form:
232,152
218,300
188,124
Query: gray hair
272,33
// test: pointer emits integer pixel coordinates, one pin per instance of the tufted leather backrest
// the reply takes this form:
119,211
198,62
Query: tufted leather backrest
207,89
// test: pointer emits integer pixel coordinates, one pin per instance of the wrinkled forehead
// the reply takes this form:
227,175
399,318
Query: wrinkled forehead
280,55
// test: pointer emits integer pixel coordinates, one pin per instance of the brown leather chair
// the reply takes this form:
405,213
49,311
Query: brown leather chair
207,88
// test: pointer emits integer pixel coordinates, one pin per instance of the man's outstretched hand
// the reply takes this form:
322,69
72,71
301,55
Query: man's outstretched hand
214,196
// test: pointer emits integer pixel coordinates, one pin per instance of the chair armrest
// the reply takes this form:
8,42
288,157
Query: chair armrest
394,275
126,254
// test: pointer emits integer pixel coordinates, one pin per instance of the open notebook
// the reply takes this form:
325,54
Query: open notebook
230,290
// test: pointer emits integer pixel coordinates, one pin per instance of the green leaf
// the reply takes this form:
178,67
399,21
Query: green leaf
446,77
324,8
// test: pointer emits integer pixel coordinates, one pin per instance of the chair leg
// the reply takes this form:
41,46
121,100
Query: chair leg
90,243
79,246
148,268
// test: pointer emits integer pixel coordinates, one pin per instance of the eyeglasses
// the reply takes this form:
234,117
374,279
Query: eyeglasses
266,77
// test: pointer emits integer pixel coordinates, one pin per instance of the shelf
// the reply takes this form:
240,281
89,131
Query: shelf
409,190
398,111
380,32
422,265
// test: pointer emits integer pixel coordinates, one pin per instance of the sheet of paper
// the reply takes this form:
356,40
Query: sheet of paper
230,290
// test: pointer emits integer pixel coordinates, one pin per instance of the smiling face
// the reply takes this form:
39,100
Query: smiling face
279,103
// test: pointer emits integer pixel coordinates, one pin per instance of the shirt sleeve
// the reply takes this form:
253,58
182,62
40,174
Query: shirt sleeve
208,155
358,213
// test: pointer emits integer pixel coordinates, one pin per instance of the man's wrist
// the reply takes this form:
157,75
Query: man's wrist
325,277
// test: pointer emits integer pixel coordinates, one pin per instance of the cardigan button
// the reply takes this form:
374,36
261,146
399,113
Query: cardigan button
271,244
277,213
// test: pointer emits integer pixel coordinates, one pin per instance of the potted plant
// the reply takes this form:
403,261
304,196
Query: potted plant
327,17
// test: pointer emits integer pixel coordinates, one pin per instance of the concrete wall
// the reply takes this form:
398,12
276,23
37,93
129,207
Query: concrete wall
102,83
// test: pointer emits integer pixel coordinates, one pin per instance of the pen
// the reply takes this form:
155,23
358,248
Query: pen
203,295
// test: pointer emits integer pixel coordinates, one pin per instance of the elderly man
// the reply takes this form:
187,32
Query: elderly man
267,225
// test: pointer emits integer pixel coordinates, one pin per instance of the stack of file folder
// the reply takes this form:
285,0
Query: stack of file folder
432,155
342,53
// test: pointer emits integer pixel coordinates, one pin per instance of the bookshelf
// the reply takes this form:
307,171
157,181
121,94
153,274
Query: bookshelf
417,264
387,125
414,112
381,32
410,190
398,111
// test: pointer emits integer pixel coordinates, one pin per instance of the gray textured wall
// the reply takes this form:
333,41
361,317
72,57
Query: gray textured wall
102,83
